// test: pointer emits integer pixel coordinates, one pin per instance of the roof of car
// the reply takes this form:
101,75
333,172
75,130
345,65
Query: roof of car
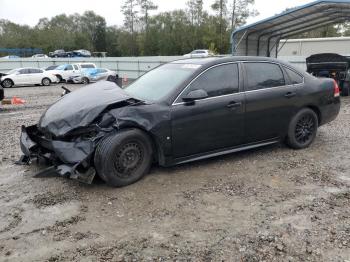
220,59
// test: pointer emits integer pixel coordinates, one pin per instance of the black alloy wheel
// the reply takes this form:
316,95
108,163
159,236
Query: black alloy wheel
302,129
305,129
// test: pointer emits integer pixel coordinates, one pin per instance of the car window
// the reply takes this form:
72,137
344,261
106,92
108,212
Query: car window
34,71
87,66
24,71
294,77
69,67
263,75
61,67
75,67
217,81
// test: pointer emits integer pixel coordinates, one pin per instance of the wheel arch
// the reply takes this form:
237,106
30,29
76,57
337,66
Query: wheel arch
158,155
317,111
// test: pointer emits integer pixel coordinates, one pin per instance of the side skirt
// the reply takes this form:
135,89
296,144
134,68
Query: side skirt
183,160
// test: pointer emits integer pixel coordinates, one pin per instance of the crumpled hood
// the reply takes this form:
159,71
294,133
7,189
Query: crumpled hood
80,108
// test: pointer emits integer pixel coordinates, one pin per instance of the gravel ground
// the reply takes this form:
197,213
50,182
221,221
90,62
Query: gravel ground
270,204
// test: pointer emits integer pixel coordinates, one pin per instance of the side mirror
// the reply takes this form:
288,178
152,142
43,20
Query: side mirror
195,95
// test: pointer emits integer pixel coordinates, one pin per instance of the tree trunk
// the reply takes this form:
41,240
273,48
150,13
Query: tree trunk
233,17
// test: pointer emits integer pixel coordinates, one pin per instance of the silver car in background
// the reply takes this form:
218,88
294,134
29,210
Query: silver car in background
92,75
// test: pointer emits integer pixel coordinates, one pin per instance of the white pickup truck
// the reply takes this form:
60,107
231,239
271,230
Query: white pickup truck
64,72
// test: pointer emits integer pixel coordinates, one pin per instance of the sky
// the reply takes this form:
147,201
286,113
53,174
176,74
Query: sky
30,11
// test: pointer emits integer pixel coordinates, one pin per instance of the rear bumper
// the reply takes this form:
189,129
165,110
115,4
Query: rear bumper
69,159
330,111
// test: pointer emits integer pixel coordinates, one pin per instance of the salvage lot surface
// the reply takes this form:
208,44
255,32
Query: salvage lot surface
271,204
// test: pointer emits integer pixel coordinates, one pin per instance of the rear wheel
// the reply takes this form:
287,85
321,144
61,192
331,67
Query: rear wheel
345,90
302,129
7,83
123,158
46,81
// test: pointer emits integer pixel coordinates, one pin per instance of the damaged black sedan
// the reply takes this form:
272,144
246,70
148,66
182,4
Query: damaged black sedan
179,112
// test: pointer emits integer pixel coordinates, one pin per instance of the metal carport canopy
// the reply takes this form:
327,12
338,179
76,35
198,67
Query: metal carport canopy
262,38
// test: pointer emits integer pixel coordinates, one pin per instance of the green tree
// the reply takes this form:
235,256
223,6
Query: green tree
130,12
240,10
145,41
94,27
195,10
145,7
220,7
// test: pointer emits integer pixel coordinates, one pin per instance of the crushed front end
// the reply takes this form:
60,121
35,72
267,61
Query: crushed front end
68,133
71,157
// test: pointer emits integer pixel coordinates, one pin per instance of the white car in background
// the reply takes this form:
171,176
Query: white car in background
27,76
40,56
199,53
65,72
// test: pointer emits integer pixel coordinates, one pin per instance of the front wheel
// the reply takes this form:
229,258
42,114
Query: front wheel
123,158
302,129
7,83
46,81
85,80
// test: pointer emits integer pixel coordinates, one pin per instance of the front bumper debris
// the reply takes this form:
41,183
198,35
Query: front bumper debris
70,159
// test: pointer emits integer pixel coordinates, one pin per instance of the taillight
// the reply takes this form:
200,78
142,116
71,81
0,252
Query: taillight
336,89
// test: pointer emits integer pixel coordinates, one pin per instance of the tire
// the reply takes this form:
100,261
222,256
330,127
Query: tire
345,90
302,129
7,83
46,81
85,80
123,158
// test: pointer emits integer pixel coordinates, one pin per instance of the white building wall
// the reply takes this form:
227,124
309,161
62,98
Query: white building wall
311,46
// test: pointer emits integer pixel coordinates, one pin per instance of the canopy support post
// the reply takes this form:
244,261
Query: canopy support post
238,43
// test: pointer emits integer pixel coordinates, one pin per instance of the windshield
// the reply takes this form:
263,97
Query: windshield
160,82
61,67
13,71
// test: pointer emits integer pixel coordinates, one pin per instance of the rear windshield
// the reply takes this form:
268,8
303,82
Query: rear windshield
160,82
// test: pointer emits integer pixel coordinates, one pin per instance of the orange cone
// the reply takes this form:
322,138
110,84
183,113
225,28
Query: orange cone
125,79
17,101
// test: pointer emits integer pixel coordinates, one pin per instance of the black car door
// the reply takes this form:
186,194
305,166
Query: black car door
212,123
270,101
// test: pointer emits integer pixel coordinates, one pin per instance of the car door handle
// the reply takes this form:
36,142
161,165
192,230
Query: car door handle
290,94
234,104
